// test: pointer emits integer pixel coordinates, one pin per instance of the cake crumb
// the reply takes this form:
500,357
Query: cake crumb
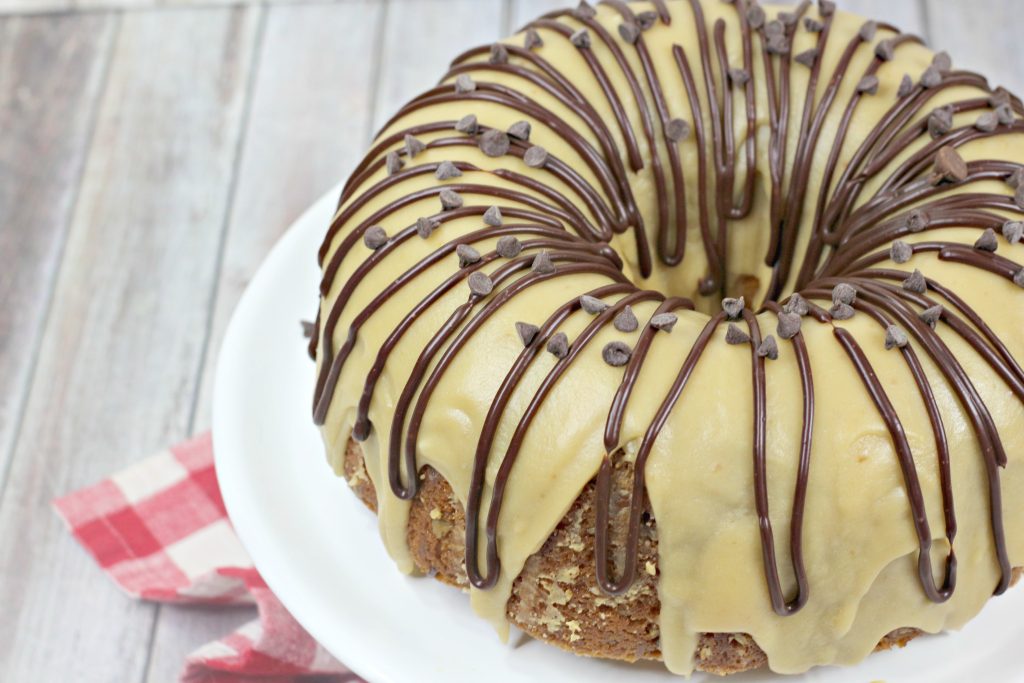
651,569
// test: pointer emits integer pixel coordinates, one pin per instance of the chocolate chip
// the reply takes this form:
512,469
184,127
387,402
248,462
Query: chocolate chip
774,28
592,305
900,251
868,84
949,165
558,345
1005,115
999,97
492,217
581,38
942,61
867,31
616,354
918,220
1013,231
931,77
464,84
1018,279
1016,179
413,146
932,315
375,237
778,45
807,57
915,282
885,50
584,11
532,39
542,264
788,18
1018,197
895,337
450,199
789,325
308,329
768,348
508,247
844,293
646,20
826,8
520,130
987,122
499,54
733,307
446,170
739,76
940,121
494,143
796,304
906,86
676,130
535,157
664,321
467,124
630,32
467,255
393,162
813,25
480,284
841,311
755,16
426,226
626,320
527,332
734,335
987,241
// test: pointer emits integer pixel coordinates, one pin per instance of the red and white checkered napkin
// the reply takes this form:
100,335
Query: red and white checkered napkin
160,530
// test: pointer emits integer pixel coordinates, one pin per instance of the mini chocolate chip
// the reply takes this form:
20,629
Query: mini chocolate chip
733,307
629,31
813,25
755,16
942,61
826,8
464,84
774,28
532,39
308,329
1018,279
1016,179
375,237
527,332
581,38
626,320
535,157
467,255
940,121
885,50
867,31
592,305
492,217
426,226
932,315
900,251
768,348
789,325
480,284
734,335
987,122
915,282
1018,197
413,146
508,247
677,129
616,354
584,11
1013,231
931,77
844,293
494,143
796,304
664,321
542,264
446,170
646,20
895,337
393,162
788,18
499,54
558,345
918,220
1004,113
807,57
987,241
739,76
868,84
778,45
906,86
841,311
467,124
949,165
520,130
450,199
999,97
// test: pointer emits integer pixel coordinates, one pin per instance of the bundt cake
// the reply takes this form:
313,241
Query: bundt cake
690,329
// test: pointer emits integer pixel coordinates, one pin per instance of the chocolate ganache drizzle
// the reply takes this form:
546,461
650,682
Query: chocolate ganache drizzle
839,199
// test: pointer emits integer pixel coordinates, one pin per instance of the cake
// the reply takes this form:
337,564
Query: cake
690,330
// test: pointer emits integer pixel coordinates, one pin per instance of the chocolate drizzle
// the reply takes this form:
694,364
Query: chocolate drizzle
572,206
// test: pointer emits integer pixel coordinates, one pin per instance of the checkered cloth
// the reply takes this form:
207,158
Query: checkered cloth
160,530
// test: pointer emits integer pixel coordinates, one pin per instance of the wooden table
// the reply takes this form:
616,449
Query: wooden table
151,152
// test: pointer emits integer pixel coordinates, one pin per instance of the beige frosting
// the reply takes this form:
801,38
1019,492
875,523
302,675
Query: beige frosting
860,547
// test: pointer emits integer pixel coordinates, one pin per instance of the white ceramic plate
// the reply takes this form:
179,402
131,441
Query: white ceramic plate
318,548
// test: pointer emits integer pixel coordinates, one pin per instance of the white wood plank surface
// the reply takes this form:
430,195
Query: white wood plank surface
119,356
982,35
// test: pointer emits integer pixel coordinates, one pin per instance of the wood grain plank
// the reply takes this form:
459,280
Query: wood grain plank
983,36
51,73
10,7
905,14
307,128
120,353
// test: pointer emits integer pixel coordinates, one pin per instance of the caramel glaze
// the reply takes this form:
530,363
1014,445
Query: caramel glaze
850,237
